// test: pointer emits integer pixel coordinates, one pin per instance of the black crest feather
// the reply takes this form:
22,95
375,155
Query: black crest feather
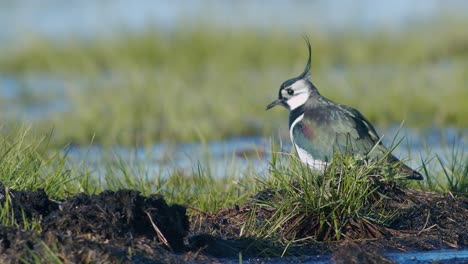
307,68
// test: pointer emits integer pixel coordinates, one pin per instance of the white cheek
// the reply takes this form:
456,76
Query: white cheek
298,100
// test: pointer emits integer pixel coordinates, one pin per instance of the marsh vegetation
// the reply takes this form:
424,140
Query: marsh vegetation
138,88
198,84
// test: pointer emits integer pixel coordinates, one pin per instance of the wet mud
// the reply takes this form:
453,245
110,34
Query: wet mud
126,227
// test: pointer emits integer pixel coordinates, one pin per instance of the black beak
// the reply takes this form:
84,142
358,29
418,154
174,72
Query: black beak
274,103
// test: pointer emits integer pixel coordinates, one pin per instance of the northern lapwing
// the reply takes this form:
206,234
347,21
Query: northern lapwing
319,126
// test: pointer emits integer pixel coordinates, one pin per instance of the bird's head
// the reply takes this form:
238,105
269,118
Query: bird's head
296,91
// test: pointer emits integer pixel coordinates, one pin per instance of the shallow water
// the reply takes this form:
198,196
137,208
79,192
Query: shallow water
437,256
236,156
445,256
58,19
33,97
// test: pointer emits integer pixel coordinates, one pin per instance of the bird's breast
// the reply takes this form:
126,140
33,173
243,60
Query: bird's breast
294,123
307,131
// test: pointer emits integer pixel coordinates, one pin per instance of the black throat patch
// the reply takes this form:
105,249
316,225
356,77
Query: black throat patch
294,114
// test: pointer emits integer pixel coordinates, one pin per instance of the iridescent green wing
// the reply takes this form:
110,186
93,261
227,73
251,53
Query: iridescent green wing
326,129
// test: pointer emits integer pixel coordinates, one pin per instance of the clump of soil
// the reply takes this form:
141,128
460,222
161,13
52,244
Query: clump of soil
121,215
109,227
30,204
126,227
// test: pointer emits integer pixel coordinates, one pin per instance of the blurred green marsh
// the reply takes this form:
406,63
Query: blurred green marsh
138,88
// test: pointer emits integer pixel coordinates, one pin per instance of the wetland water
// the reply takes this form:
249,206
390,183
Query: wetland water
58,19
236,155
434,256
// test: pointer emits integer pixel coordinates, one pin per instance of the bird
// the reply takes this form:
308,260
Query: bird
318,127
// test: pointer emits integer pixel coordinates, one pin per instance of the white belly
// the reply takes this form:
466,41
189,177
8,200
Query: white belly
312,163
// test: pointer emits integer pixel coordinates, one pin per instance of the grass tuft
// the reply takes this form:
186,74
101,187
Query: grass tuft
302,204
27,163
446,174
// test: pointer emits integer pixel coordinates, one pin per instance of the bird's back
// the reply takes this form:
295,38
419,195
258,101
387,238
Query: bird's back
326,127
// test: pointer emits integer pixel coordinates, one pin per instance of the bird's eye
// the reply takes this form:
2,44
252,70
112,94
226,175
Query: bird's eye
290,91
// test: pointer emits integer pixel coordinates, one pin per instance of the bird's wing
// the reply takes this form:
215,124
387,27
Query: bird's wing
341,128
328,128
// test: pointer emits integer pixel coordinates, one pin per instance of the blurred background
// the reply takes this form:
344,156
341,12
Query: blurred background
134,73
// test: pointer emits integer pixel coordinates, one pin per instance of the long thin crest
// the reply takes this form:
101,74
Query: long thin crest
307,68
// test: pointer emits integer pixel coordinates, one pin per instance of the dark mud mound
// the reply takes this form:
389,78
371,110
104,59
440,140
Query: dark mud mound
121,226
19,246
122,215
26,204
430,221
